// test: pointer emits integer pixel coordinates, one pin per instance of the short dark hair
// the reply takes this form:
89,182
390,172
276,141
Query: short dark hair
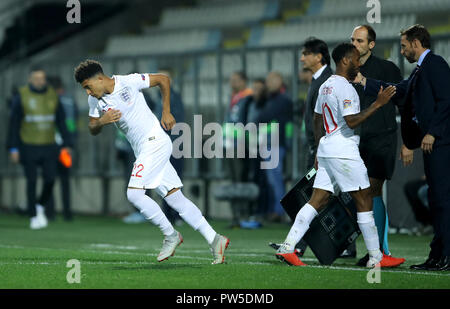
371,34
341,51
36,67
87,69
317,46
418,32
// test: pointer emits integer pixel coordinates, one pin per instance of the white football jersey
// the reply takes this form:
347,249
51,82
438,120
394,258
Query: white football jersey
337,98
138,122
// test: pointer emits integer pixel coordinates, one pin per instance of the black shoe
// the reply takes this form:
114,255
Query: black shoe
430,264
443,264
363,261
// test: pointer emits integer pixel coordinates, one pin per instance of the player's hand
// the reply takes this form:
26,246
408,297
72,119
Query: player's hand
384,95
360,79
167,121
406,155
427,143
14,157
111,116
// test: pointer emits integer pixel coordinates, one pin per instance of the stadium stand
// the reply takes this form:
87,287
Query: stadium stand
331,30
220,13
176,41
341,8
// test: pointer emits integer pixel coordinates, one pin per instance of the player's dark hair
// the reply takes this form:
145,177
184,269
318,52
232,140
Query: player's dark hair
87,69
341,51
371,34
418,32
316,46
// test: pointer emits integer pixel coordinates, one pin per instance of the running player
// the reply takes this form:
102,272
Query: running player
338,157
119,100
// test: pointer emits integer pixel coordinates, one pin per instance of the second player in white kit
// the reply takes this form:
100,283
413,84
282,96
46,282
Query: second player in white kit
337,110
119,100
338,153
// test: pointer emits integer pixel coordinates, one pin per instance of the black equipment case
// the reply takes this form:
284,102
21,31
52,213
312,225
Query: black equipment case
334,228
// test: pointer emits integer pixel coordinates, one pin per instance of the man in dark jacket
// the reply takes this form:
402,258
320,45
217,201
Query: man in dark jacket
315,57
35,114
236,113
378,145
64,170
278,109
425,122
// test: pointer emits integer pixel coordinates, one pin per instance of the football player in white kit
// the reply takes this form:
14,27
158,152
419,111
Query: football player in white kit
338,157
119,100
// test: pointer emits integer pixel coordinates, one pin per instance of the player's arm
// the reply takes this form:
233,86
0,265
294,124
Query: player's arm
371,86
319,131
383,98
163,82
97,123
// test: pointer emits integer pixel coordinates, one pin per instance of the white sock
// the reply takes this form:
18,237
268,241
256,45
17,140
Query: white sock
366,224
151,210
191,214
301,225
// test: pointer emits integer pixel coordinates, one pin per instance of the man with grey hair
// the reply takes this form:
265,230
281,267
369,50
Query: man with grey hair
378,145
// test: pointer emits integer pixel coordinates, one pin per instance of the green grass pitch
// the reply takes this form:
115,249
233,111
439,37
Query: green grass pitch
117,255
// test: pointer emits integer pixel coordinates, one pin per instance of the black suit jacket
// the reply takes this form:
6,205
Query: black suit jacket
311,98
425,95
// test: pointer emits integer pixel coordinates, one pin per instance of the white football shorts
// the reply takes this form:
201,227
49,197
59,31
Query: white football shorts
152,168
349,174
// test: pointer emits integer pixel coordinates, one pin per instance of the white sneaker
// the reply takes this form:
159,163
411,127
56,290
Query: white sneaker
218,247
40,214
285,248
35,224
170,243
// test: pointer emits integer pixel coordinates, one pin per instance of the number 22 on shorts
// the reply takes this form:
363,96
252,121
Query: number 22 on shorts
139,167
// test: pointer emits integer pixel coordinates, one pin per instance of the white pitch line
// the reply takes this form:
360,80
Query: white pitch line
230,261
382,270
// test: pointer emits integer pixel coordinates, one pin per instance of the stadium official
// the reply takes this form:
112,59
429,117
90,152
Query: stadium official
378,144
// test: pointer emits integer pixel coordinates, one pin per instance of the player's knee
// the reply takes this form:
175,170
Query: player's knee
134,195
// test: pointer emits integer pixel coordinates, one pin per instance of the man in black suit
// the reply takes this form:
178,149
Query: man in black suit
378,145
425,113
315,57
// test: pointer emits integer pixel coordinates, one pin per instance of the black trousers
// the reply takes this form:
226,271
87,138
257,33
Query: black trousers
421,212
32,157
437,171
